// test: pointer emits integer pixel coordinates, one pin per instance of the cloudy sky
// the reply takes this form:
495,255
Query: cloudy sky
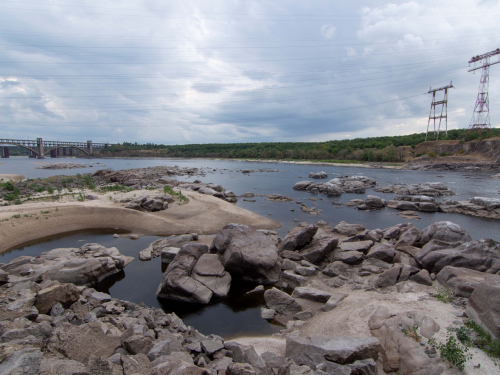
238,70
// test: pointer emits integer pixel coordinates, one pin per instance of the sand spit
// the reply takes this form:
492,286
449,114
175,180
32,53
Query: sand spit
4,177
203,214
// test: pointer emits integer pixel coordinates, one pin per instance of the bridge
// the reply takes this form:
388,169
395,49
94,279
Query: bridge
39,148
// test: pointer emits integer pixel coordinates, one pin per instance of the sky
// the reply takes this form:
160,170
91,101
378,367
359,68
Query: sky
227,71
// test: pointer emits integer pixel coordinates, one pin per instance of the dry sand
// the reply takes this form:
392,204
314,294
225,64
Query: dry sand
203,214
11,177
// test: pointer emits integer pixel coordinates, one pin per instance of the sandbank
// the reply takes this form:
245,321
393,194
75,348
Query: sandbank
203,214
11,177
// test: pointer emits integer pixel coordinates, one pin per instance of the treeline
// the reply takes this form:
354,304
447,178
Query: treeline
362,149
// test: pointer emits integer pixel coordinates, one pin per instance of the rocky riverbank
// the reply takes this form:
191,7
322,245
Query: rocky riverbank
351,301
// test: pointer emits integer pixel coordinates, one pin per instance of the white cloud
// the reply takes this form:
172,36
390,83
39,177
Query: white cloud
328,31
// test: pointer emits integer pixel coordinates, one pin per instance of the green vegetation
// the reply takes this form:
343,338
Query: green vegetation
358,149
17,216
472,334
412,332
116,187
81,197
13,191
444,295
168,190
452,352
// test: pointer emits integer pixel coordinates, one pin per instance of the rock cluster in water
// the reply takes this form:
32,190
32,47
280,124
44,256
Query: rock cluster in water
63,166
209,189
432,189
337,186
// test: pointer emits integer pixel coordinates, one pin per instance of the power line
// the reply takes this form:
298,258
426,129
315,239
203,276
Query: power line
233,121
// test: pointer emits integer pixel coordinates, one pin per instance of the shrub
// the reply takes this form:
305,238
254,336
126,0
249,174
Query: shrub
443,154
452,351
432,154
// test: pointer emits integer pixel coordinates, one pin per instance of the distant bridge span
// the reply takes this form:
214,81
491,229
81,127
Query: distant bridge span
39,148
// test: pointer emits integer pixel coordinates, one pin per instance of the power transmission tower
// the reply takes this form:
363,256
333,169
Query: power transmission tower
444,106
481,115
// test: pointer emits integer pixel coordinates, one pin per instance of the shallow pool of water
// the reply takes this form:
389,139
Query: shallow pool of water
236,315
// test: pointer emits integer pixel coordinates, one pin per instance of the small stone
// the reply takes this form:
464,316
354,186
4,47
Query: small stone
267,314
133,236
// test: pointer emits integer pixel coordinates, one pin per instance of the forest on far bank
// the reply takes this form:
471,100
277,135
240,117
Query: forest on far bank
374,149
386,149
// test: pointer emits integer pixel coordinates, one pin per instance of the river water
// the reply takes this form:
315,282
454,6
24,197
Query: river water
240,314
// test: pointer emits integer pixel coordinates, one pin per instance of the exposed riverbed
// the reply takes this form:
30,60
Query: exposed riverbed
240,314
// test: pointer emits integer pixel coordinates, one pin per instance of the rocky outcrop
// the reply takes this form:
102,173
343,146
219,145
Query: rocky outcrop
321,174
298,237
146,203
194,276
432,189
247,253
400,351
159,247
479,255
477,206
372,202
87,265
210,189
337,186
347,229
446,231
464,281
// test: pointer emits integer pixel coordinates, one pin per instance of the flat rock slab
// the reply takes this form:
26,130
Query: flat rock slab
311,294
362,246
314,350
348,257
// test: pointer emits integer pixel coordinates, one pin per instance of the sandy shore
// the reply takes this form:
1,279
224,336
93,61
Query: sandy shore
11,177
203,214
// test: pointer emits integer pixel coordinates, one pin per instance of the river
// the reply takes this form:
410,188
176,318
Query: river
240,314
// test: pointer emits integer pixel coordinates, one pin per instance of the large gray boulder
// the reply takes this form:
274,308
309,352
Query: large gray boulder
23,362
479,255
177,283
87,265
311,294
80,342
319,248
248,253
302,185
382,251
463,281
348,229
372,201
65,294
321,174
484,307
210,272
314,351
281,302
298,237
445,231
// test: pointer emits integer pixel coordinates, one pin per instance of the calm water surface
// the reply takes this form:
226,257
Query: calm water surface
240,314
